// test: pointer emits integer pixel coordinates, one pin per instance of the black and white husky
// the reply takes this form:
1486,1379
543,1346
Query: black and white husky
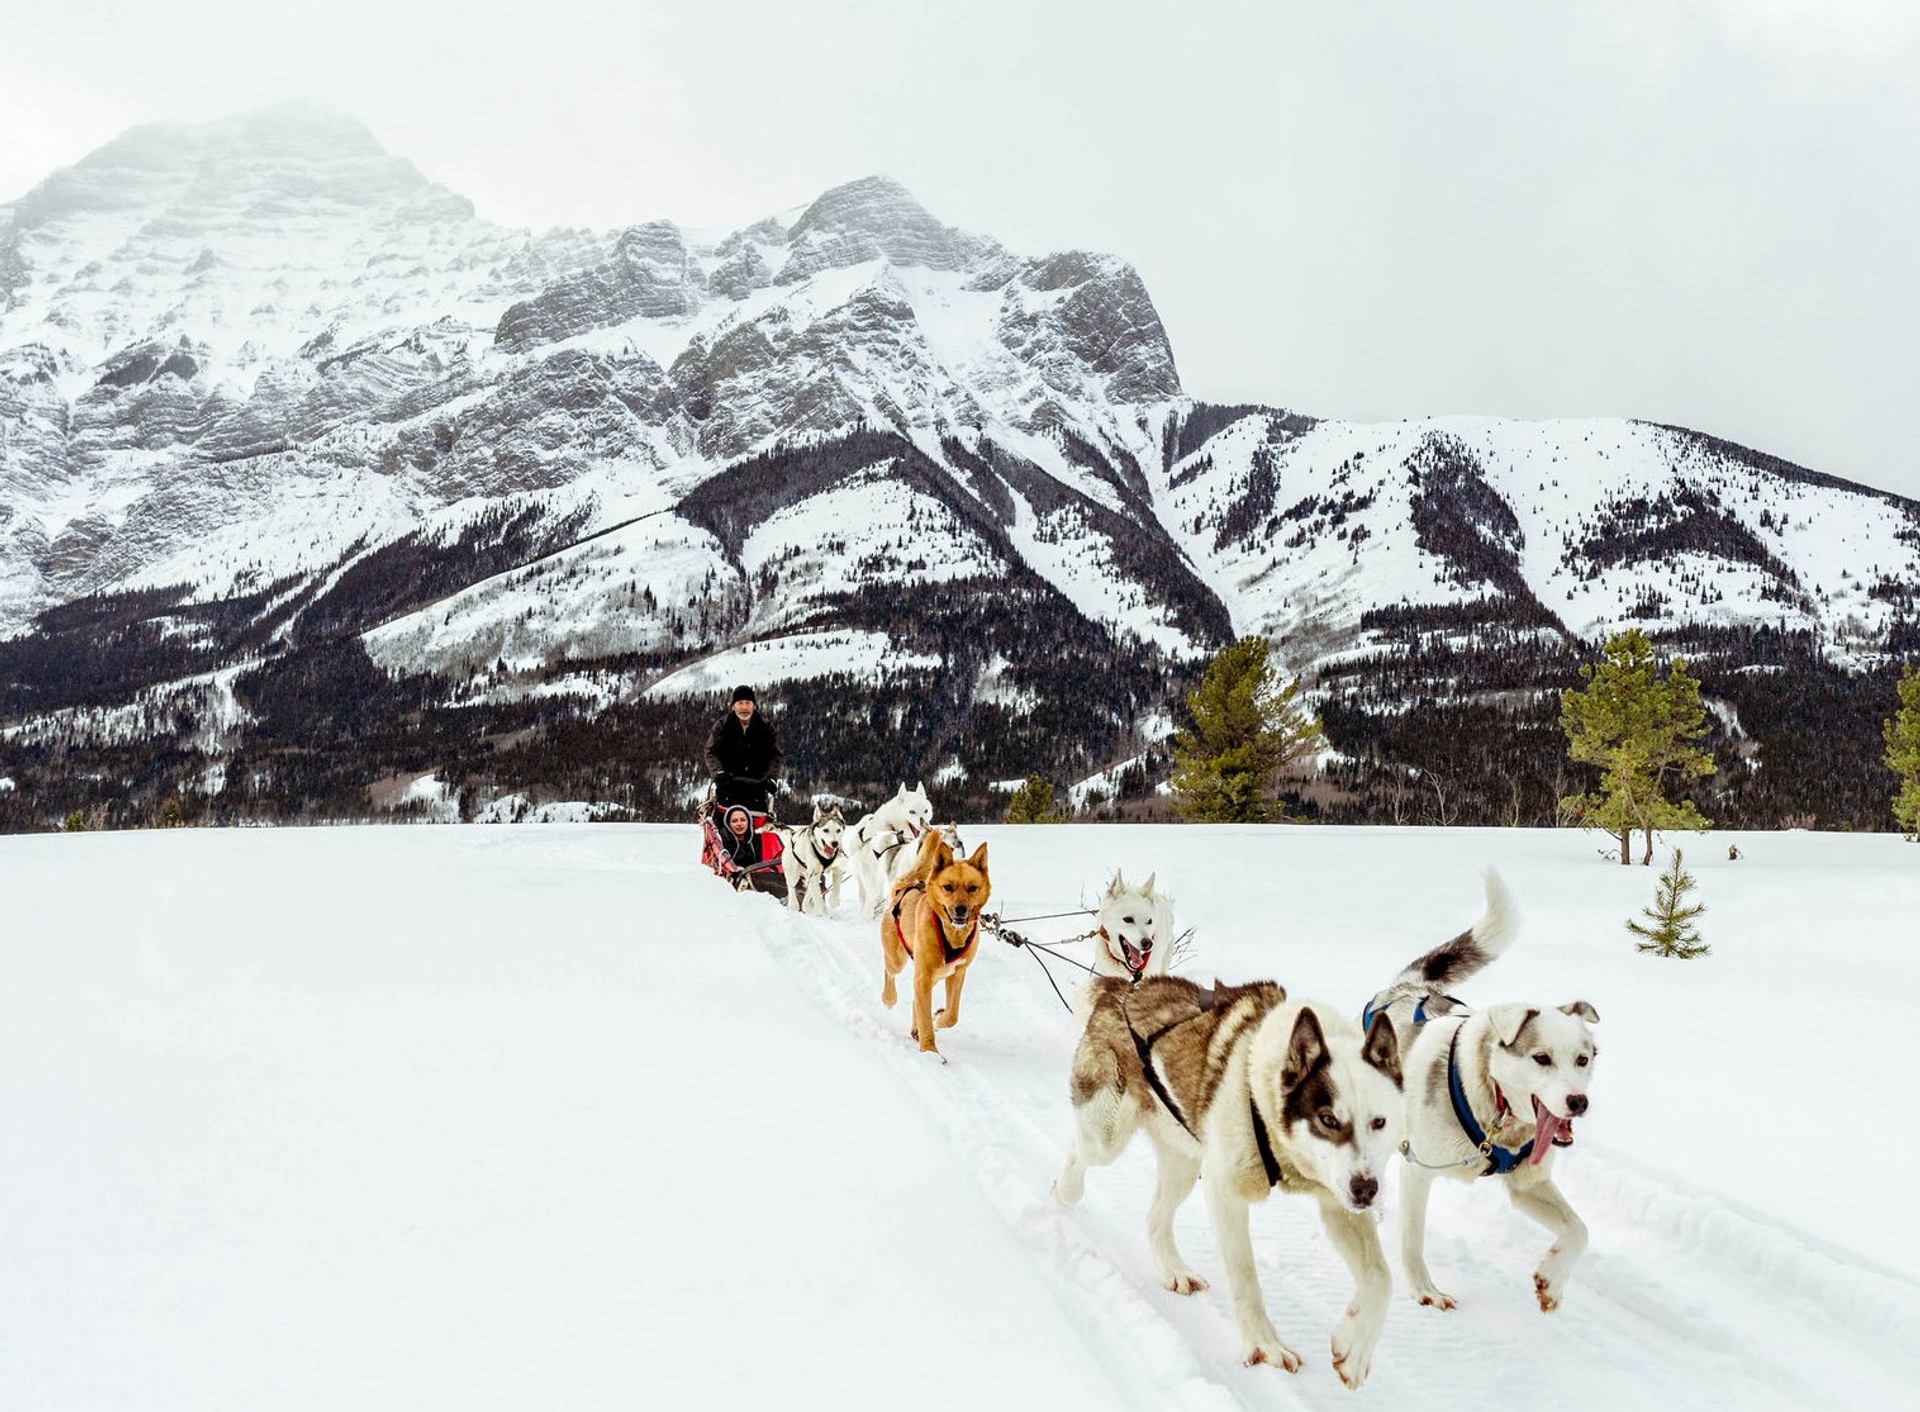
811,862
1489,1094
1263,1093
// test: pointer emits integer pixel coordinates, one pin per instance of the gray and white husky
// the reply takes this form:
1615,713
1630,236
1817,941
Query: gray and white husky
881,846
811,862
1262,1093
1489,1094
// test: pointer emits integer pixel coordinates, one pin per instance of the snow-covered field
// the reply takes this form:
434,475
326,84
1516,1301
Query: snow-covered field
544,1117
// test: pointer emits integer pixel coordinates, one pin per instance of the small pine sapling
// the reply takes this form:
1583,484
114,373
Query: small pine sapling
1669,929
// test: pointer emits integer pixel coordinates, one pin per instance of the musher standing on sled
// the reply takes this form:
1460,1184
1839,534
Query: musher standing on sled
743,754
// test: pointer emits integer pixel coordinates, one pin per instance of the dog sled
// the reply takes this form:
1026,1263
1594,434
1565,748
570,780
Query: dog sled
743,847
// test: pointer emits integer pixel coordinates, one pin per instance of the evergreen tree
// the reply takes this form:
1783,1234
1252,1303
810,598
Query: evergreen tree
170,816
76,822
1032,803
1247,727
1669,929
1641,730
1903,752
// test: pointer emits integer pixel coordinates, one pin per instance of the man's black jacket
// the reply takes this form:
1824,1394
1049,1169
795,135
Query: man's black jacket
748,756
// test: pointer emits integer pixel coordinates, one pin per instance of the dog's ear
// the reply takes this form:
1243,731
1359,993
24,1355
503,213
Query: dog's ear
1305,1050
1581,1009
1146,888
819,814
1118,885
1509,1020
1382,1049
979,859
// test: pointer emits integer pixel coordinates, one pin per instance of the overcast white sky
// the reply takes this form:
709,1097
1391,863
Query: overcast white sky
1698,211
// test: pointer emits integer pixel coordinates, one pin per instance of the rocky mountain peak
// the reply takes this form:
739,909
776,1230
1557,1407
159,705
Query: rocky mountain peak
290,157
877,216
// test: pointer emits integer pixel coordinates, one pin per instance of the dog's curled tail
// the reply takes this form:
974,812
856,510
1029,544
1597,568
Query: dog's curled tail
1474,949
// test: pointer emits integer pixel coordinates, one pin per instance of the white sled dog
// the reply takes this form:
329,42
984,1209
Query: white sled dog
1263,1093
880,847
811,862
1488,1095
1134,931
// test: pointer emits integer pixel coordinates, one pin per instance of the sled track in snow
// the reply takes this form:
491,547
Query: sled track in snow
1682,1297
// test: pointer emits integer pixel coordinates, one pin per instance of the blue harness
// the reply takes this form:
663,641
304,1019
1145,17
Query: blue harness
1500,1160
1419,1012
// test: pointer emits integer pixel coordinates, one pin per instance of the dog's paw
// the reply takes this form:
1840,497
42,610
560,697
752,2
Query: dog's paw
1068,1190
889,994
1546,1292
1274,1353
1183,1282
940,1020
1353,1351
1434,1299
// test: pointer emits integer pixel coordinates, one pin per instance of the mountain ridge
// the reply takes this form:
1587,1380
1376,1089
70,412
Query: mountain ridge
266,389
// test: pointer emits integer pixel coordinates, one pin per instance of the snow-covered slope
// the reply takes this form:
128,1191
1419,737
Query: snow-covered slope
268,393
1582,527
250,352
243,355
479,1131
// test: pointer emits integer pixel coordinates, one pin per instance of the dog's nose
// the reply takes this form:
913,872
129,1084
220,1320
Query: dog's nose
1576,1103
1364,1189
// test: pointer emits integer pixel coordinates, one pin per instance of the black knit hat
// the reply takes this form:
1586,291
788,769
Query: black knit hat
743,693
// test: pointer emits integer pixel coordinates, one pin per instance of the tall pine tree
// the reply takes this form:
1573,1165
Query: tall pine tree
1903,752
1246,728
1641,730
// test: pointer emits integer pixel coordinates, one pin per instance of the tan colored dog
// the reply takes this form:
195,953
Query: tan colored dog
934,921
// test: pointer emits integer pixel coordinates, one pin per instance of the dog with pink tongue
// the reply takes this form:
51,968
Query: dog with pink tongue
1491,1094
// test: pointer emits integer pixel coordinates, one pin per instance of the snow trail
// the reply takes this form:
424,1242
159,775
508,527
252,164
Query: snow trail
1682,1293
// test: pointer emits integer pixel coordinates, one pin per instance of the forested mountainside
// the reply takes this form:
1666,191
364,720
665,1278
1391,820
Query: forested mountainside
321,496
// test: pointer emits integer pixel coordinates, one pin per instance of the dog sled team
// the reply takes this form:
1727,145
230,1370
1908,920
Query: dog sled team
1254,1089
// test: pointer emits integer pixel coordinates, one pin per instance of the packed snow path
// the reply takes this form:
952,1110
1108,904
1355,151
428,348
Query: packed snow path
544,1116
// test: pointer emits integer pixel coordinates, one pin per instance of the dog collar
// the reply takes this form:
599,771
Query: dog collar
1500,1160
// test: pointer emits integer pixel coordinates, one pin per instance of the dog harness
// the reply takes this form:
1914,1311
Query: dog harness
1420,1015
900,841
1500,1160
1143,1047
949,953
1269,1163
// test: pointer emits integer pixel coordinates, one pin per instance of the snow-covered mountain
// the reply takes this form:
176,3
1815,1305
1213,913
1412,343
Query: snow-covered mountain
265,387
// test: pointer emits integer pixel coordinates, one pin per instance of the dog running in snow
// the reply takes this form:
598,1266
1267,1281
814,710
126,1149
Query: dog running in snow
1263,1093
881,847
1488,1095
934,922
811,862
1134,931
